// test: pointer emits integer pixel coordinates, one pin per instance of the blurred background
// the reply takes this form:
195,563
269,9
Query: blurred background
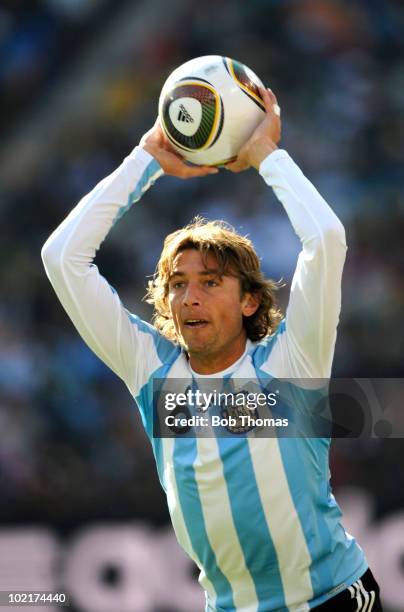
79,83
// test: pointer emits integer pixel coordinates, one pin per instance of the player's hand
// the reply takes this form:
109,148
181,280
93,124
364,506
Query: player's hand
264,139
157,144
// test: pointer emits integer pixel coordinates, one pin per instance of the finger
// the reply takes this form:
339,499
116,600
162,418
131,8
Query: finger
272,96
158,129
236,166
275,106
193,171
266,98
270,102
169,147
164,141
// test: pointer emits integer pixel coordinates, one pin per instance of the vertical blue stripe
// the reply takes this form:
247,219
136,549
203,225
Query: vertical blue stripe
265,347
166,350
167,353
185,451
145,401
250,522
148,177
306,466
150,174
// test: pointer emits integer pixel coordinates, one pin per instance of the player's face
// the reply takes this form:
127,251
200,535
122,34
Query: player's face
208,311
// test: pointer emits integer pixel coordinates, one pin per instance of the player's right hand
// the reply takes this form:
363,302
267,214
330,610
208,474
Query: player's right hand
264,139
157,144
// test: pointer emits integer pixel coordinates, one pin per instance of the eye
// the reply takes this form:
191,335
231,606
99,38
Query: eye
177,285
212,283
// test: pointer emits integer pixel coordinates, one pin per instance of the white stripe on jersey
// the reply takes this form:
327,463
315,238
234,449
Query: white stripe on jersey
303,608
293,555
217,511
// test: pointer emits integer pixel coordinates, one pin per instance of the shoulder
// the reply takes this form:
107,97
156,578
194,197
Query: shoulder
264,347
166,349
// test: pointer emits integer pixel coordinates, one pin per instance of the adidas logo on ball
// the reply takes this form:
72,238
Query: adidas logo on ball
184,115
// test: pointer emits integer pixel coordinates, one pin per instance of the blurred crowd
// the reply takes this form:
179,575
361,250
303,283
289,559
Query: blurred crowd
71,445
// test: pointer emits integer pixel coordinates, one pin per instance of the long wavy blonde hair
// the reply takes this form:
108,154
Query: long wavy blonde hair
235,256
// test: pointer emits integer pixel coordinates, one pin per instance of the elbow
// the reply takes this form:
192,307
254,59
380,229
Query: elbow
329,246
338,235
331,238
51,256
334,247
334,236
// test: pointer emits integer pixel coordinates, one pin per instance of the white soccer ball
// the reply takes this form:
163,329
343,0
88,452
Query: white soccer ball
209,107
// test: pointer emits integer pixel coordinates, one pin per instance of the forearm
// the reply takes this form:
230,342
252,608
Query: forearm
312,218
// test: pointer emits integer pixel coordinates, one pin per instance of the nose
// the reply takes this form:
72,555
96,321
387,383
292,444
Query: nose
191,295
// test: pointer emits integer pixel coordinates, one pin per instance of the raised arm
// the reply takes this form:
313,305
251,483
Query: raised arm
307,347
315,297
129,346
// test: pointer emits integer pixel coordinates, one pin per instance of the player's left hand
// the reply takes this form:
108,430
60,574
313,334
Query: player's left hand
264,139
157,144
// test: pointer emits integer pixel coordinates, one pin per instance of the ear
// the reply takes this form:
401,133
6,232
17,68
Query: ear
250,304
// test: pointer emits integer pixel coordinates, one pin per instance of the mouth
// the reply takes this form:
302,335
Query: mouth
195,323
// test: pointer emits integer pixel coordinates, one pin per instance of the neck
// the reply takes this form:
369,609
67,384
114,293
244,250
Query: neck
211,363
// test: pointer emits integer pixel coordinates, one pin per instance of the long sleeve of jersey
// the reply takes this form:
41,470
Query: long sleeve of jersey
91,303
307,347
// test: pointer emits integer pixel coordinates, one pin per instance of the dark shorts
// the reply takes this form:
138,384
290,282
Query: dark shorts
361,596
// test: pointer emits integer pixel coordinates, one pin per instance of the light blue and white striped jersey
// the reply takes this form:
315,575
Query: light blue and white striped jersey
256,515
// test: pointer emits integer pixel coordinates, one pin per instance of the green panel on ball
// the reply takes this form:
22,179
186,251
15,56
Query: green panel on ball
245,81
211,120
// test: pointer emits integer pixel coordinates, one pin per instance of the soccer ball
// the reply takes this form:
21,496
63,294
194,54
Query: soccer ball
209,107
